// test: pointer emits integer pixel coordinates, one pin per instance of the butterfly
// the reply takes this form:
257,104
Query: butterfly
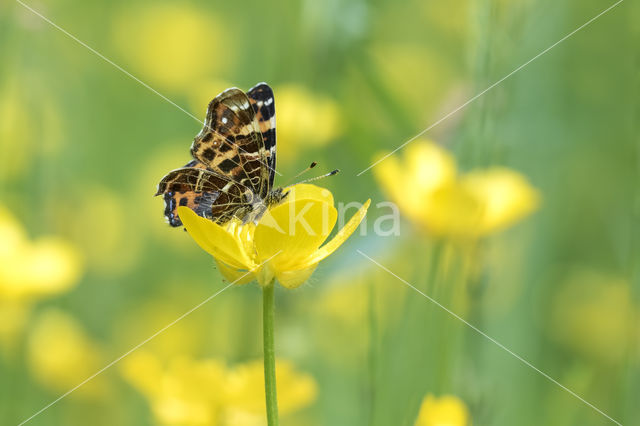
234,159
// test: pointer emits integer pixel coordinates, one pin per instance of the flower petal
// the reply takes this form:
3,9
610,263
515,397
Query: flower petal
293,279
445,410
453,211
506,195
338,239
236,276
293,230
425,168
305,191
214,239
428,166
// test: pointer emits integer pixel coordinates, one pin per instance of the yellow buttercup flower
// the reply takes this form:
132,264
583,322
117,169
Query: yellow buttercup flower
285,244
430,192
185,392
30,270
447,410
505,196
412,182
207,392
33,269
191,393
245,390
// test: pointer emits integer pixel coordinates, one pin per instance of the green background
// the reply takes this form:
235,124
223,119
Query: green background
86,145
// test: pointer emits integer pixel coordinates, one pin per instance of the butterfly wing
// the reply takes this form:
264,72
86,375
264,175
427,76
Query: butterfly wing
231,144
263,103
208,194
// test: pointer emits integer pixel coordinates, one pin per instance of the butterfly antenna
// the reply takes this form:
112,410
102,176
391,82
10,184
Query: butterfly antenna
311,166
331,173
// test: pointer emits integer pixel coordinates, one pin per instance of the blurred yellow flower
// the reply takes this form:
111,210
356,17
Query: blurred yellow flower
60,354
30,270
172,44
447,410
206,392
186,392
428,190
283,245
595,315
304,119
245,390
411,183
190,393
505,195
33,269
144,371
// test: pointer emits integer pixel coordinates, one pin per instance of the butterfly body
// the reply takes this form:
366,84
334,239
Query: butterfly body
234,162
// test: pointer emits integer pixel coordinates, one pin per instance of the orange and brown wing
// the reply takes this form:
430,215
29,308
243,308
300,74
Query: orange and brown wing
231,144
207,193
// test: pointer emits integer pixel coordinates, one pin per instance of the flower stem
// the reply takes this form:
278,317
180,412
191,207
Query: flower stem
268,297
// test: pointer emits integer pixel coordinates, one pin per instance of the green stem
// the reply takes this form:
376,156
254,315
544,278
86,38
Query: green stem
268,297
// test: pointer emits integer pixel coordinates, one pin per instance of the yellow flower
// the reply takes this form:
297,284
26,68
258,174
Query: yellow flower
448,410
304,120
29,270
432,194
143,371
245,390
185,392
191,393
61,355
206,392
505,197
412,182
285,244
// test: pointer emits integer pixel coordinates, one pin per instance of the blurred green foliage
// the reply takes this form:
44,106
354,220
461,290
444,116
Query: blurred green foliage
83,146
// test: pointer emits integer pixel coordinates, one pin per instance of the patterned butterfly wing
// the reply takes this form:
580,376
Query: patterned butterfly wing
264,107
231,143
207,193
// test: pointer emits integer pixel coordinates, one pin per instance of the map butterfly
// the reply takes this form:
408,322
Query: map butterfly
234,159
